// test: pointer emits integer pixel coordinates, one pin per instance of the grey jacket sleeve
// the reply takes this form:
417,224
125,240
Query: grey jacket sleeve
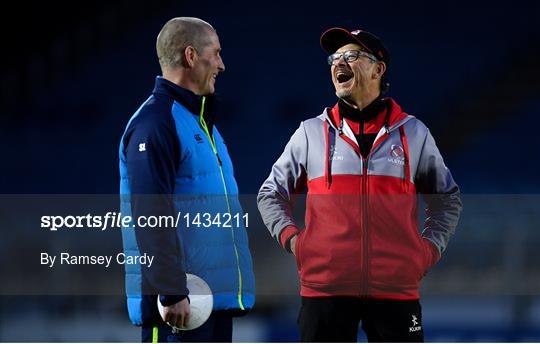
441,194
287,178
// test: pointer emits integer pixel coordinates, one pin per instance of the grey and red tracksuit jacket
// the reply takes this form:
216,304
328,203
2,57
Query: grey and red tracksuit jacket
361,235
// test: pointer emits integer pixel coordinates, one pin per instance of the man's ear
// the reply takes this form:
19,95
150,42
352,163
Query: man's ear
190,54
379,70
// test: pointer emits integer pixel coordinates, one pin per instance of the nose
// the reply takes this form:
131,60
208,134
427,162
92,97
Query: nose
221,65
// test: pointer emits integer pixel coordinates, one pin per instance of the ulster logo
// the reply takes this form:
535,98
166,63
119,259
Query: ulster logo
396,151
397,156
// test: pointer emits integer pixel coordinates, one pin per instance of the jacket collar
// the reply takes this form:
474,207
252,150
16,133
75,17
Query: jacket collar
366,114
184,96
385,109
188,99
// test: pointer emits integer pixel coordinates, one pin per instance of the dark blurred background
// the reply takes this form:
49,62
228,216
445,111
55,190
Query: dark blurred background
73,73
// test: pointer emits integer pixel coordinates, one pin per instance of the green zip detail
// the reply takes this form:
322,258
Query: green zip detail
155,335
213,144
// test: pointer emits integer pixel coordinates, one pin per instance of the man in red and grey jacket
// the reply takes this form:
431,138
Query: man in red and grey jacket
361,256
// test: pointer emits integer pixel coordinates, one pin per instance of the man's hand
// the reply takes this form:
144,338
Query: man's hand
292,244
177,315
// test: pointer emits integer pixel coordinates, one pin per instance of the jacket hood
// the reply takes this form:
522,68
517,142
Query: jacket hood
391,115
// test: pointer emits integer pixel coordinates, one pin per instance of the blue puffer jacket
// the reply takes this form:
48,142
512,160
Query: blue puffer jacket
170,165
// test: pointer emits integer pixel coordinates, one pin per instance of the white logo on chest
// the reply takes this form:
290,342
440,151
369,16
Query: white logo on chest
334,155
397,155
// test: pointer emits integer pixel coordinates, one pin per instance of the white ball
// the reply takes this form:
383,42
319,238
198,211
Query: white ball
201,303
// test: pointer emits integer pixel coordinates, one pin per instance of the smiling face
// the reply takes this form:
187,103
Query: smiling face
356,82
207,65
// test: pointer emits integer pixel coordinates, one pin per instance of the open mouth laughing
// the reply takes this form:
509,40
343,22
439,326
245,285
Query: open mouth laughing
343,75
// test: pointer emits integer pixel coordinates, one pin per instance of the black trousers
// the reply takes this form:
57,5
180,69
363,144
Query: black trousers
217,329
336,319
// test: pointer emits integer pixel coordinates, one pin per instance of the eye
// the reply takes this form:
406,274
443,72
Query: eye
351,55
333,58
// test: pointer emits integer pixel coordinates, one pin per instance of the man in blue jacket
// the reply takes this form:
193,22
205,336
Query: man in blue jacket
174,164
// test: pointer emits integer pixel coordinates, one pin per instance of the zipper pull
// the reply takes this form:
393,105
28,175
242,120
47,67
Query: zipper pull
218,159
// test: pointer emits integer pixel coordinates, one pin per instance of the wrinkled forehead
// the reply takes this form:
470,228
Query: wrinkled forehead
349,46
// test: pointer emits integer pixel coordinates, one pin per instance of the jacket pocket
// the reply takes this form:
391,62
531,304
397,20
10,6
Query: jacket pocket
398,259
429,260
325,261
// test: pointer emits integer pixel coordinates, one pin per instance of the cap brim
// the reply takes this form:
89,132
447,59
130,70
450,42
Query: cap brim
336,37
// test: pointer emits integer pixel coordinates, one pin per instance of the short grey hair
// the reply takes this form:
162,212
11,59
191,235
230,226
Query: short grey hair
176,35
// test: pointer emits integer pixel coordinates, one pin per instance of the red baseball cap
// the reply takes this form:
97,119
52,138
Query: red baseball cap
336,37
